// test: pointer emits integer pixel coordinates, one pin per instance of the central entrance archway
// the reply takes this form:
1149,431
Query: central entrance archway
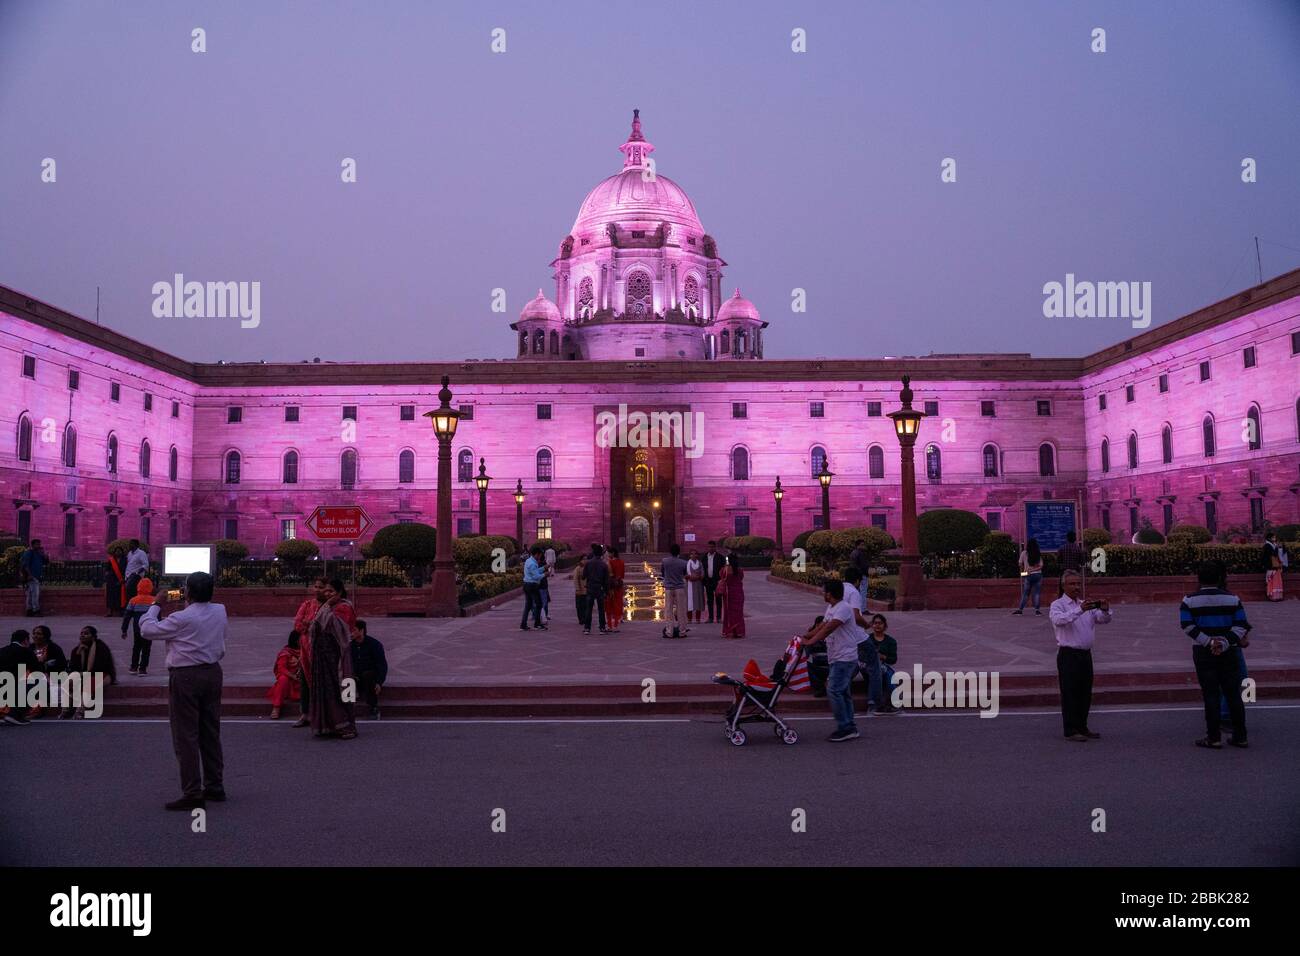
640,535
642,498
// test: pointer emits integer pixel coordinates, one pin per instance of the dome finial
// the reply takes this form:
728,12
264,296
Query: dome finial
637,148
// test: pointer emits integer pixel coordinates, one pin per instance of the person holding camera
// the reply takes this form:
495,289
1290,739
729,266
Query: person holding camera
1075,622
196,643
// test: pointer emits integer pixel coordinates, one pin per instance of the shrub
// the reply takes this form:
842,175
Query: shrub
382,573
1148,535
1000,555
231,578
271,577
477,587
473,555
559,546
296,551
1198,534
813,575
834,547
413,542
950,529
9,563
9,541
1095,538
1285,532
229,551
801,540
749,544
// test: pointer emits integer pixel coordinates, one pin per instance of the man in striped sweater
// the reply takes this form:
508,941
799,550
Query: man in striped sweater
1215,620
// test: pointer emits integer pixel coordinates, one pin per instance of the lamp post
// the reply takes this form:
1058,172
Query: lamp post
825,476
911,583
778,493
442,599
482,480
519,513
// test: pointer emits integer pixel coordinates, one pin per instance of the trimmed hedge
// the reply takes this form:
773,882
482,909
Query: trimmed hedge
296,551
834,546
1288,532
749,544
945,530
473,555
413,542
1095,538
477,587
818,576
228,551
1197,533
801,540
382,573
559,546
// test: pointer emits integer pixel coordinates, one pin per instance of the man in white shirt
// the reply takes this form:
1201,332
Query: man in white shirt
855,594
840,630
1075,622
196,643
137,566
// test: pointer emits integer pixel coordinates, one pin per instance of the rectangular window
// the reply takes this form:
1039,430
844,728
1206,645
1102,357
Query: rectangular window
407,414
70,529
815,410
1164,384
1132,520
349,413
1167,513
29,366
466,413
1044,407
931,409
873,409
234,414
74,379
639,353
739,410
818,523
291,413
174,531
1101,402
464,526
1211,516
1248,356
148,401
176,409
878,521
987,409
146,526
994,520
288,529
742,525
232,529
112,528
1295,343
1105,518
1257,515
1129,394
543,412
1205,371
24,526
544,529
114,392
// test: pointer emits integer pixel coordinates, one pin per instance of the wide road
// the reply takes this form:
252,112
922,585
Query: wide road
918,789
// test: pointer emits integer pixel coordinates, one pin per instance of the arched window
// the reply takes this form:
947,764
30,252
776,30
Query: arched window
173,464
144,458
70,446
740,463
544,462
406,467
555,343
817,460
933,463
1046,460
1105,454
24,438
465,465
566,348
523,343
586,299
233,462
740,340
348,468
726,341
1132,449
539,342
876,461
1167,444
110,454
639,302
691,297
990,461
1254,431
1207,435
290,469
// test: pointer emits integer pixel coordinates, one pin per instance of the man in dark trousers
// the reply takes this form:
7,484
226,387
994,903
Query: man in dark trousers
713,564
196,643
1216,622
1074,622
596,574
19,651
369,666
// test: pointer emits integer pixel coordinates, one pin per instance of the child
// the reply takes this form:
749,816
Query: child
818,667
135,610
287,663
887,650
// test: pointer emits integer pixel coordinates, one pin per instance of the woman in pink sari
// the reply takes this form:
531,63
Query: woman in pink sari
331,665
731,585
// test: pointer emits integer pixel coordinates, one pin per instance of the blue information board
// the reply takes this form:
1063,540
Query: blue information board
1049,522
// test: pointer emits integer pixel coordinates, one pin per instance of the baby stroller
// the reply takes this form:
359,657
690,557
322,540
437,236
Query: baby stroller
757,695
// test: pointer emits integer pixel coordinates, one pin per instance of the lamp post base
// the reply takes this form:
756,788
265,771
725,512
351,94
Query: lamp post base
443,599
911,585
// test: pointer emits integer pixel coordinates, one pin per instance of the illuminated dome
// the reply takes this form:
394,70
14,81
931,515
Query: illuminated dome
541,308
737,307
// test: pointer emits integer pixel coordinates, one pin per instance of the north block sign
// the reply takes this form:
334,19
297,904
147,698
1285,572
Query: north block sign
339,524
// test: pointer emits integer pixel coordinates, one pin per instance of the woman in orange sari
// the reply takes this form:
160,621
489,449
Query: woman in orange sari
614,597
732,588
285,688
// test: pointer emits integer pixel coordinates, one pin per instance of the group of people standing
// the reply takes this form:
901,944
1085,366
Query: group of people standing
711,582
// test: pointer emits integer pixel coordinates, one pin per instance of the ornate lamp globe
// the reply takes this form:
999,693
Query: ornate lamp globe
907,421
519,491
445,418
825,475
482,478
778,492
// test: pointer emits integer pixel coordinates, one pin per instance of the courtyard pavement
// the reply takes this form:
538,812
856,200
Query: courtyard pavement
490,649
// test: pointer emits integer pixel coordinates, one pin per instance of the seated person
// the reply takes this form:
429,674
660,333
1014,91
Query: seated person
287,664
369,666
18,653
135,609
887,649
51,656
90,656
819,668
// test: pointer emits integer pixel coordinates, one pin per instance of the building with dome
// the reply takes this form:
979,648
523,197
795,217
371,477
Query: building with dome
1197,420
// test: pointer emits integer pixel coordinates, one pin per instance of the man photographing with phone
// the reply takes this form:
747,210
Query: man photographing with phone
196,643
1074,622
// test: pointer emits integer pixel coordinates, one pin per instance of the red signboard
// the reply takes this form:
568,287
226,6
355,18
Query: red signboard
345,523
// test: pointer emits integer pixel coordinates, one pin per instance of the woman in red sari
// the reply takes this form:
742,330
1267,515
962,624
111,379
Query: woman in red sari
731,586
614,598
114,587
285,688
331,665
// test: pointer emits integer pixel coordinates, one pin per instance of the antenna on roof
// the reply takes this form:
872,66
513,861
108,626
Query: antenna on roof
97,292
1259,268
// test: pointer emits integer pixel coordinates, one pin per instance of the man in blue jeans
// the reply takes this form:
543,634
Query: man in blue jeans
534,571
855,592
839,629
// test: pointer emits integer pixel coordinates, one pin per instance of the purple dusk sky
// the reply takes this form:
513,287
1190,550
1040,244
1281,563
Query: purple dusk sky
817,170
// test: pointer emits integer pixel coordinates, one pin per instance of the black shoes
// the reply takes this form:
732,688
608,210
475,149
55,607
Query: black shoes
216,796
842,735
1092,735
187,803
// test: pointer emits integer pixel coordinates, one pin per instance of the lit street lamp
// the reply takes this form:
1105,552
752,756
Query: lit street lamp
778,493
519,513
442,599
911,583
482,480
825,476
